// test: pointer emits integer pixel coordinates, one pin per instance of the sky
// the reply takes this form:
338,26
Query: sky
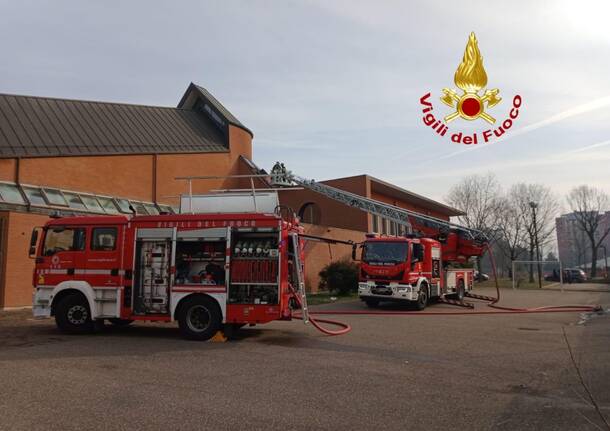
332,88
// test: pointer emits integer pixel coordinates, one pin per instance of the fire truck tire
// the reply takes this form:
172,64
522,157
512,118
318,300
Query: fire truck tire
461,291
120,322
72,314
372,303
199,318
422,299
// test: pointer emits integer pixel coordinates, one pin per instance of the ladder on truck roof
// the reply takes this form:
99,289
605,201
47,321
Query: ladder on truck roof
280,176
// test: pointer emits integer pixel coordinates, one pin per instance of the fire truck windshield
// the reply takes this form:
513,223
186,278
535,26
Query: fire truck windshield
384,253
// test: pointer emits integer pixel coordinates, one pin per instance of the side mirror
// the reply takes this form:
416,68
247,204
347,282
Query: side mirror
417,254
33,241
354,249
420,253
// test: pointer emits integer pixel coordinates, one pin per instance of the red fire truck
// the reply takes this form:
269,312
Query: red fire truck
207,271
416,269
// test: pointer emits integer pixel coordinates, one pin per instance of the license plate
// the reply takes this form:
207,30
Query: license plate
382,291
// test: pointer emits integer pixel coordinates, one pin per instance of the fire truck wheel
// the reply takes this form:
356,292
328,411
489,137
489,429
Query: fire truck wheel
460,291
199,318
422,299
372,303
120,322
72,315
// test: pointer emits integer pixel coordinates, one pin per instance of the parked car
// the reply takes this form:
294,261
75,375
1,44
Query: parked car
574,275
570,275
553,276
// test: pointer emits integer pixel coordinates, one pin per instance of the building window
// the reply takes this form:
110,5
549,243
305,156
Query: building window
55,197
74,201
139,207
60,239
166,209
91,203
310,213
392,228
104,239
375,219
123,205
108,205
34,196
10,194
151,209
384,226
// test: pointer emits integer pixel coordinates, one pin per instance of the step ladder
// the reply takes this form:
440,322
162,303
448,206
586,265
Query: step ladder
300,282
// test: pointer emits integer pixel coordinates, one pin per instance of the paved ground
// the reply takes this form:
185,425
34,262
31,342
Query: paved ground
475,372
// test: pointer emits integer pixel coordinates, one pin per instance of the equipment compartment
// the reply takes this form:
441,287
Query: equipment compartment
152,276
200,262
254,268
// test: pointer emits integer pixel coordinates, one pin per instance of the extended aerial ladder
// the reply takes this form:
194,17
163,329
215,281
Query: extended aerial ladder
462,242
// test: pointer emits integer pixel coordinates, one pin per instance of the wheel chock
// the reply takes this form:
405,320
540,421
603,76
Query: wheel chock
219,337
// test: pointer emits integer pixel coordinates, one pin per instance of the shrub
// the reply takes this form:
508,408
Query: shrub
340,277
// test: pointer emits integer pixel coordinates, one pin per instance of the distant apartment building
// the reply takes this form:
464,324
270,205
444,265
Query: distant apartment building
574,244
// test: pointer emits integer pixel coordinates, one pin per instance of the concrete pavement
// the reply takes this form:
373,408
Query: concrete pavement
521,371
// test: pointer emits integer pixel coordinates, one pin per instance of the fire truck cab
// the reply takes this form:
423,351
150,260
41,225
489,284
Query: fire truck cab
408,269
207,271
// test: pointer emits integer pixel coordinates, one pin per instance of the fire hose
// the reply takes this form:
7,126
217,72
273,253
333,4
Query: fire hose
316,322
492,302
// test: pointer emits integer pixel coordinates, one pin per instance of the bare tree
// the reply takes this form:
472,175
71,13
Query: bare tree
588,203
511,229
478,196
522,196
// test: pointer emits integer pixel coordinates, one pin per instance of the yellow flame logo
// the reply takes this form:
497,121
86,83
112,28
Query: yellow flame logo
471,77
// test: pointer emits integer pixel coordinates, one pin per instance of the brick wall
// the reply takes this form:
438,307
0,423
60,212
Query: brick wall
318,255
128,176
16,277
332,213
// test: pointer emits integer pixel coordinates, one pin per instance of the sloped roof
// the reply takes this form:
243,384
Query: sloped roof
388,189
195,91
33,126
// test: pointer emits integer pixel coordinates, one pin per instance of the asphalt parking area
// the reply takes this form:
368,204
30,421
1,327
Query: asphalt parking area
518,371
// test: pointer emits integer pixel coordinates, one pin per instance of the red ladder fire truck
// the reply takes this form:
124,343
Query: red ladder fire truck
415,267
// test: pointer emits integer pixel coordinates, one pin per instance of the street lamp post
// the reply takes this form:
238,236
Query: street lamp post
605,261
534,205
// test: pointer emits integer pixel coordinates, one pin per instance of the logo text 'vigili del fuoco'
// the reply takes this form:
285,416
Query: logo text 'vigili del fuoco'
472,103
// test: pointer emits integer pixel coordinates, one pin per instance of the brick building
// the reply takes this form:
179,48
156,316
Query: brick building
86,157
326,217
96,157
